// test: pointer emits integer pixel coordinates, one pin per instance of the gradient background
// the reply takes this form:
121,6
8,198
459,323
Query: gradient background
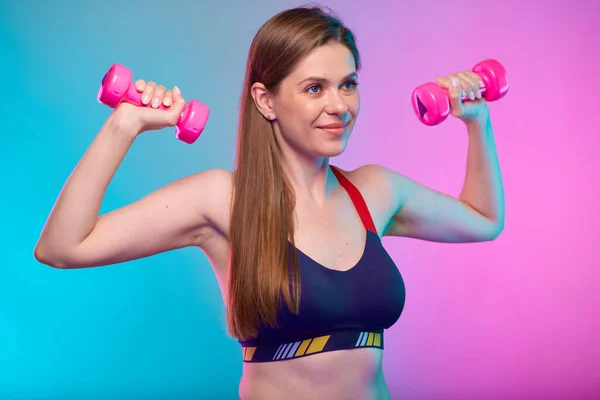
517,318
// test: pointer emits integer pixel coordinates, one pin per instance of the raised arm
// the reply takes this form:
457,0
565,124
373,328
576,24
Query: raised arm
174,216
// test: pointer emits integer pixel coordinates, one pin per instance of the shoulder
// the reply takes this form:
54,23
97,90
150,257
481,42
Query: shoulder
380,187
374,178
209,193
212,183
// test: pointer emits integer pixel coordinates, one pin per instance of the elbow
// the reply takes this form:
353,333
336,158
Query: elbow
494,232
42,256
499,227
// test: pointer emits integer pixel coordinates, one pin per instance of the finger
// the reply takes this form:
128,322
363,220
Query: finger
443,81
477,79
148,92
168,99
140,85
178,105
159,93
466,87
455,95
473,84
456,82
176,94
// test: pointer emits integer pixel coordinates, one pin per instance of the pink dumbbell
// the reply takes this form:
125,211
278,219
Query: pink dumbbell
117,86
432,104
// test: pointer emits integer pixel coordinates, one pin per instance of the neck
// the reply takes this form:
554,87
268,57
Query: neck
312,179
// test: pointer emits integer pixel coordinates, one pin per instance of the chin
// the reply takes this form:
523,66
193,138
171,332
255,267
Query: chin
334,149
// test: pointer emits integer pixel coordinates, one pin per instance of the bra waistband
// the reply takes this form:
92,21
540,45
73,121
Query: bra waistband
336,340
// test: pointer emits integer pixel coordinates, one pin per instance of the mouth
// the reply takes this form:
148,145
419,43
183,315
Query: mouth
335,129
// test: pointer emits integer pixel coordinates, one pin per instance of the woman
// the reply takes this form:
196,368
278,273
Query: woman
294,241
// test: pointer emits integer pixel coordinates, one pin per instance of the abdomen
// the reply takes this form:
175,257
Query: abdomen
340,374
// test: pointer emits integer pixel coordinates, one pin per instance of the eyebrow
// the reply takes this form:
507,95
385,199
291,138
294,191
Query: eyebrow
323,80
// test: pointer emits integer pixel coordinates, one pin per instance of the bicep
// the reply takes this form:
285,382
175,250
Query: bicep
424,213
172,217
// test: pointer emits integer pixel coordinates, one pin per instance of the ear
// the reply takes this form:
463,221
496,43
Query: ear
262,100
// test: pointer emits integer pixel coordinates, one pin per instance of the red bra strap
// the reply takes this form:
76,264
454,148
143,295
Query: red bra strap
357,200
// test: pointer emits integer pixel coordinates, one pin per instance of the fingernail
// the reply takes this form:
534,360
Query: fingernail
472,96
145,99
167,101
155,102
177,89
478,93
454,82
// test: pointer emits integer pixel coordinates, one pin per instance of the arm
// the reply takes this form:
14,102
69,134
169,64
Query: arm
172,217
476,216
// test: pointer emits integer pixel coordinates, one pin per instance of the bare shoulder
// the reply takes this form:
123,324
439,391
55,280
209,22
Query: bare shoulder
210,186
376,185
206,194
366,174
214,189
371,179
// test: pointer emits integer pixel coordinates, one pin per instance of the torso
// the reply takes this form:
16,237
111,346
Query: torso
341,374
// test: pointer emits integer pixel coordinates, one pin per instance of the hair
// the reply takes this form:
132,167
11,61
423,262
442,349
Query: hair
263,265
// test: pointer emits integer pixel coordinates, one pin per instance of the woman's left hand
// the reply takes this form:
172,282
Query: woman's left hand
465,83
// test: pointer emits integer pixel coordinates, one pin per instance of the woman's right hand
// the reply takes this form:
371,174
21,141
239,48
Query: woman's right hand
138,119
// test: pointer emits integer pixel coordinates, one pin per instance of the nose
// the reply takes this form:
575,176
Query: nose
336,104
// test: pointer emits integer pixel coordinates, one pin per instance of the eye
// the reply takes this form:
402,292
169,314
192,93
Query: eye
353,82
313,86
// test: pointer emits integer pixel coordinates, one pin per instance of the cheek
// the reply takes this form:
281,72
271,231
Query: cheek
300,109
311,110
301,119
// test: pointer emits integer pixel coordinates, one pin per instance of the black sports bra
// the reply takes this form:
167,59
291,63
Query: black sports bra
338,309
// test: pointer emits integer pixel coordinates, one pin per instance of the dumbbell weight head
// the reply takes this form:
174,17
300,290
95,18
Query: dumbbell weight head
494,77
191,122
430,103
115,85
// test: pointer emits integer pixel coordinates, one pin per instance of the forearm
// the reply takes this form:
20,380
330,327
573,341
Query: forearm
483,189
75,212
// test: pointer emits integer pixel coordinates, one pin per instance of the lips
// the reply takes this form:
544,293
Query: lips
334,131
334,125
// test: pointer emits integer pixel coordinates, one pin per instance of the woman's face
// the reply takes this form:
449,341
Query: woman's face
321,90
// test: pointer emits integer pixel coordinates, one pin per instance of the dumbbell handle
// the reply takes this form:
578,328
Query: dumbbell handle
134,97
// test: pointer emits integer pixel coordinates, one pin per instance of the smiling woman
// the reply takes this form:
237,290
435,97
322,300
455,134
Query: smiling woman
302,310
311,288
294,241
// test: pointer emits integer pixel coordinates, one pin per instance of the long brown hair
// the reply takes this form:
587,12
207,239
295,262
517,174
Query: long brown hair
262,223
